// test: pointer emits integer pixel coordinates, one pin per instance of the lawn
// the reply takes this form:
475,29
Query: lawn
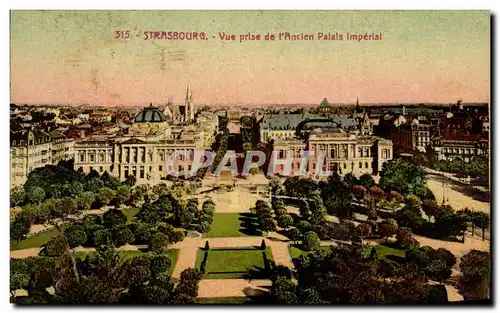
130,214
232,263
296,251
383,251
36,240
234,225
172,253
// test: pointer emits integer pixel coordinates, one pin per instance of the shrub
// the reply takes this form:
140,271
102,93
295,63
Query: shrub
160,264
304,226
56,246
311,241
76,235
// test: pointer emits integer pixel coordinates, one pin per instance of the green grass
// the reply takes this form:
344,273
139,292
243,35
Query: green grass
295,251
130,214
231,225
172,253
232,263
35,241
383,251
222,300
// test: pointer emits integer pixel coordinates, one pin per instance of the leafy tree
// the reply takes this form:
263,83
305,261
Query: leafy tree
203,227
362,231
475,268
122,193
359,192
90,220
367,181
311,241
102,237
56,246
386,229
85,200
160,264
18,281
404,238
113,218
17,196
402,176
121,235
283,291
395,196
285,221
130,180
450,223
438,270
35,195
67,206
185,218
481,220
268,224
105,195
159,243
430,208
187,289
94,184
304,226
19,228
446,256
143,232
76,235
293,234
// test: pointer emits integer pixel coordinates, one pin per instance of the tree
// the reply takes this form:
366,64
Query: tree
430,208
143,233
130,180
76,235
359,192
475,268
362,231
35,195
386,229
304,226
19,228
94,185
113,218
160,264
17,196
121,235
187,289
481,220
268,224
400,175
102,237
203,227
293,234
283,291
404,238
105,195
67,206
56,246
159,243
18,281
448,223
366,180
438,270
85,200
285,221
122,193
311,241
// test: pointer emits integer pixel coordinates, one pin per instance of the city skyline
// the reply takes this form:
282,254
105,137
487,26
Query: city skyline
72,57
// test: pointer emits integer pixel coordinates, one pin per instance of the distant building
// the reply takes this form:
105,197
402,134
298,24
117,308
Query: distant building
33,149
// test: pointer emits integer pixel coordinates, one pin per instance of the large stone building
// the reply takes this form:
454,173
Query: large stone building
143,152
347,145
31,149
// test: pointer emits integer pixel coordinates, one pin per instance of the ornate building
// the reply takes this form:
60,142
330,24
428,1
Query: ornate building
144,151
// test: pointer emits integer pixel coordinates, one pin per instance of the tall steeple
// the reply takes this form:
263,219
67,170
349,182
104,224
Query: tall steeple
189,110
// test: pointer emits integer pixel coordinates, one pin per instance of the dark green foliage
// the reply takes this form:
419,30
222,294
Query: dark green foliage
160,264
57,246
76,235
311,241
304,226
113,218
121,235
159,243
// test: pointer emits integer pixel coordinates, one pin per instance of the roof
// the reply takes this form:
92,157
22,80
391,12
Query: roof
150,115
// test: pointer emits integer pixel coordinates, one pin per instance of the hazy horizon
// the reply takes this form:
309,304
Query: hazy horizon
72,58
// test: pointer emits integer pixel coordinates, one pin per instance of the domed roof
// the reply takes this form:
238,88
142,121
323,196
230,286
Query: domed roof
150,115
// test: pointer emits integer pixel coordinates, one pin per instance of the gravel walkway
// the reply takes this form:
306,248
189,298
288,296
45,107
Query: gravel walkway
212,288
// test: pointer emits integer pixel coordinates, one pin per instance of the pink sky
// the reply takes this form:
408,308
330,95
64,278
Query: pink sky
72,58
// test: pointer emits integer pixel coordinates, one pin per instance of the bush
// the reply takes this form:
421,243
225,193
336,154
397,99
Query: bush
311,241
285,221
159,243
203,227
304,226
160,264
56,246
122,235
143,232
76,236
102,237
113,218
